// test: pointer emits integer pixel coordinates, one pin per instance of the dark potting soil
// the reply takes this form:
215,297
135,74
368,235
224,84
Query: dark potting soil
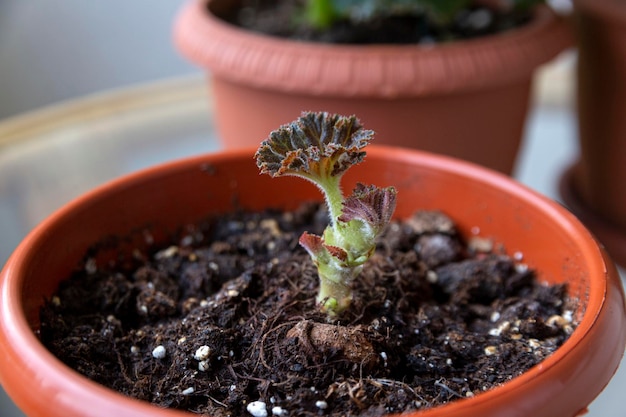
276,18
223,321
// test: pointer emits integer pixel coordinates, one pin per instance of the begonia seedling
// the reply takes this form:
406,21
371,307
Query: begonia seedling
321,147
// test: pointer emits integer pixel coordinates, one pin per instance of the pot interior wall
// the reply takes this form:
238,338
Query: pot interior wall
165,198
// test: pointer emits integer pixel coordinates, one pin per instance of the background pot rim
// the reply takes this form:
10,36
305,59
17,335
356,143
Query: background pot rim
388,71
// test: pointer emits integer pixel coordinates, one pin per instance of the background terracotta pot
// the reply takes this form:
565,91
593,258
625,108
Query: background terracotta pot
550,238
595,188
466,99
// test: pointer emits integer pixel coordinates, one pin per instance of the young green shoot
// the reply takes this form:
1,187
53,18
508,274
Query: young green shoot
322,14
321,147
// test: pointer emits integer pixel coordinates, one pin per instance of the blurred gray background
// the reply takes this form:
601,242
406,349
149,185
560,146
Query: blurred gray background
52,50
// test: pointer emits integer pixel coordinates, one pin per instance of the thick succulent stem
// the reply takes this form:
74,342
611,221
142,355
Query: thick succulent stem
335,294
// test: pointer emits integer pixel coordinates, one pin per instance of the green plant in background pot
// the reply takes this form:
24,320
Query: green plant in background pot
451,77
323,14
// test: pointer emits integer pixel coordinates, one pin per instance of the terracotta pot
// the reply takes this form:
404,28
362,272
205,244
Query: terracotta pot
597,182
465,99
551,240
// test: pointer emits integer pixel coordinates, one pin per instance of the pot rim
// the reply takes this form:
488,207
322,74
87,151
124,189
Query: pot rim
390,71
19,345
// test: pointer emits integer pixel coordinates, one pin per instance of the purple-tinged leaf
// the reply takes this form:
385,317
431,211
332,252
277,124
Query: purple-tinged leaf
370,204
337,252
312,243
315,246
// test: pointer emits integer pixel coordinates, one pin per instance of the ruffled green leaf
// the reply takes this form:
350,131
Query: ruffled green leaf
316,146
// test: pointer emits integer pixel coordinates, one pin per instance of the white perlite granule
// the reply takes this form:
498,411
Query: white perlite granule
257,409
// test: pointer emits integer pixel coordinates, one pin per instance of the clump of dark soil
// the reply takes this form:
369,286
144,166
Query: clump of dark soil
224,320
280,18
